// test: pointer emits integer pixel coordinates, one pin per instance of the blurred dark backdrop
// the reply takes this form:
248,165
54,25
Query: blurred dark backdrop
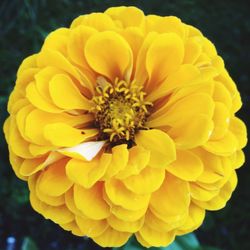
23,26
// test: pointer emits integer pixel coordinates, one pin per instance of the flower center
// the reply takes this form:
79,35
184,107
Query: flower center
120,109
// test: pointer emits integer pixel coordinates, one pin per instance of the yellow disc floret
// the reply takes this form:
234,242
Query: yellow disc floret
120,109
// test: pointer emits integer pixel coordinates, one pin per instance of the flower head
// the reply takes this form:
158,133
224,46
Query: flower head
125,124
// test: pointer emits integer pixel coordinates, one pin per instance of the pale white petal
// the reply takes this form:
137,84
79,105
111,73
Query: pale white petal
85,150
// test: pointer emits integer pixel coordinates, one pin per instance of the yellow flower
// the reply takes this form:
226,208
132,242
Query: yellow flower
125,124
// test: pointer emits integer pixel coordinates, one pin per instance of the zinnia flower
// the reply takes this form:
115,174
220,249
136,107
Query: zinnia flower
125,124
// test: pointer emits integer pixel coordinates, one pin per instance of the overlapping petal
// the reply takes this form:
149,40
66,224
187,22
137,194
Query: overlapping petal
98,51
178,148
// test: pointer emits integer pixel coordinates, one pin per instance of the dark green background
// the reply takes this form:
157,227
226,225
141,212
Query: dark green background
23,27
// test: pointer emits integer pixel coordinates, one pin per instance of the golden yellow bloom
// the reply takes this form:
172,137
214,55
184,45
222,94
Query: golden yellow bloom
125,124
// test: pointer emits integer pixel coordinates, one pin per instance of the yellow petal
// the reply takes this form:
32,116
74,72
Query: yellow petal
195,133
138,160
208,72
48,199
221,94
134,37
63,135
98,21
91,228
188,106
224,147
30,166
183,76
221,120
124,225
17,144
120,155
77,40
192,31
66,95
54,181
44,76
6,128
28,62
156,238
21,119
128,215
67,226
141,74
192,50
168,24
142,241
239,159
160,145
38,101
217,62
171,199
51,41
225,172
202,194
164,55
199,86
187,166
147,181
70,202
121,196
59,215
112,238
219,201
36,120
16,101
48,57
157,224
213,166
38,150
16,163
87,173
32,183
114,12
109,54
37,204
42,79
136,16
239,129
208,47
228,82
203,60
54,201
237,103
34,124
194,220
45,118
76,231
73,227
91,202
227,168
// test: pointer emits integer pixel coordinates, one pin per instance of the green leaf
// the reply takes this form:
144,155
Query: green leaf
185,242
188,241
29,244
174,246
